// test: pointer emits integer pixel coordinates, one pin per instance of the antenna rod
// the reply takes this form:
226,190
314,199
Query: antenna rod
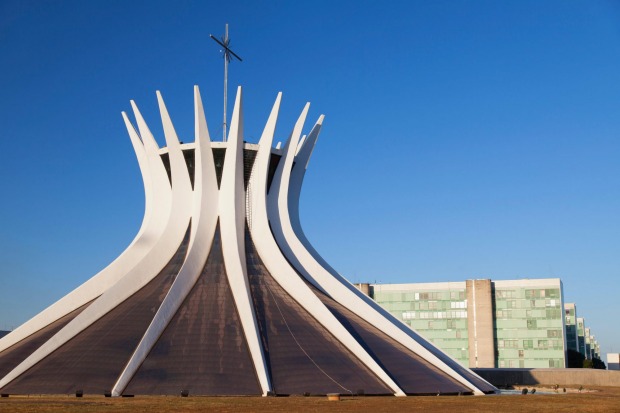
226,54
225,83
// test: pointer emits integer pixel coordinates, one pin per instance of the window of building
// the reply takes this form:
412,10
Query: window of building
552,293
533,293
507,343
500,293
531,324
408,315
457,295
543,344
528,344
503,314
521,355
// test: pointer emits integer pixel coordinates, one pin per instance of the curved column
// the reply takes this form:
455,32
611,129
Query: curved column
204,222
176,224
295,246
143,162
296,176
301,142
276,263
153,222
232,223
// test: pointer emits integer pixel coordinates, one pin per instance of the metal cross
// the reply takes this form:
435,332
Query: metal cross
227,53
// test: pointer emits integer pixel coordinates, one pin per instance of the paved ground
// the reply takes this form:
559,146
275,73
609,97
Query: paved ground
602,399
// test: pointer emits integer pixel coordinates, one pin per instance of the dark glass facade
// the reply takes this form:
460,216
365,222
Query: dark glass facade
203,350
412,374
303,357
93,360
219,154
12,356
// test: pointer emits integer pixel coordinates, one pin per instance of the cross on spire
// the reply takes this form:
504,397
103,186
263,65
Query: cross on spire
227,53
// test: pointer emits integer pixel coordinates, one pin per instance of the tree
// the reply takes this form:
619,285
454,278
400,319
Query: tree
598,364
575,359
595,363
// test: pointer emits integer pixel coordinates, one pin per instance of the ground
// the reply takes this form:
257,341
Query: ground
597,399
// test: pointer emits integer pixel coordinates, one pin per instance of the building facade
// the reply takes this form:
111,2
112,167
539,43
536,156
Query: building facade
593,350
530,323
570,321
438,311
588,340
581,335
485,323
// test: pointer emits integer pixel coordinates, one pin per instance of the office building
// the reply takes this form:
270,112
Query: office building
485,323
570,320
581,336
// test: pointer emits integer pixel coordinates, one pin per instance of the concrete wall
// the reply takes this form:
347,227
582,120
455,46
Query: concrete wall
364,287
561,377
480,323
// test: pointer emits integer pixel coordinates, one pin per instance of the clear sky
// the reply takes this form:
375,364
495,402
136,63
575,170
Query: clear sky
476,139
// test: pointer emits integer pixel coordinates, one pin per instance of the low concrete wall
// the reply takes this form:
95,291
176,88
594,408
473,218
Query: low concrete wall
562,377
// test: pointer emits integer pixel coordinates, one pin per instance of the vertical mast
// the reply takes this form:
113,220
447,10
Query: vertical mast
226,54
225,83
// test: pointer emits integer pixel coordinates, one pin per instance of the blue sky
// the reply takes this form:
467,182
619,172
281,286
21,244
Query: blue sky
475,139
